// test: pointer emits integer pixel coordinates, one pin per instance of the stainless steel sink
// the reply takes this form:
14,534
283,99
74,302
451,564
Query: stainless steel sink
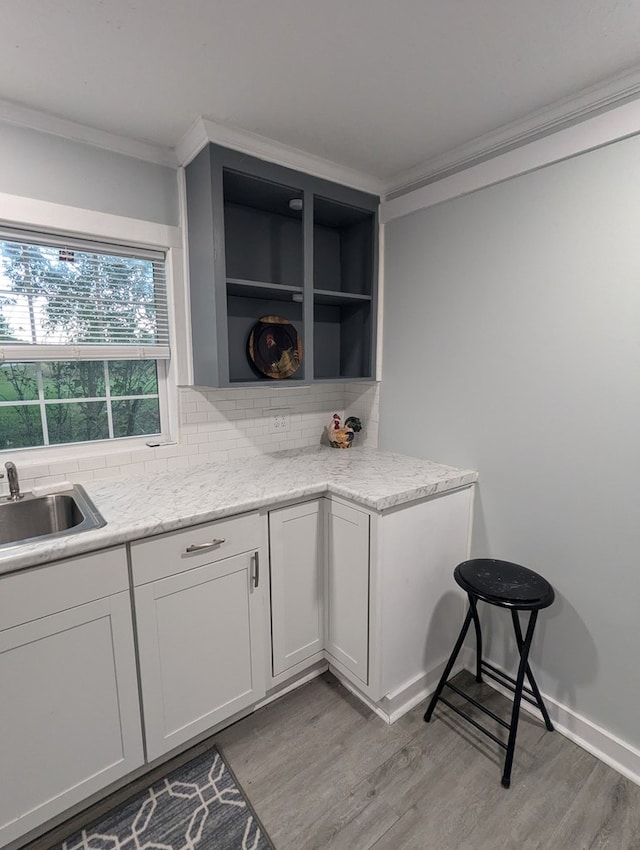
36,518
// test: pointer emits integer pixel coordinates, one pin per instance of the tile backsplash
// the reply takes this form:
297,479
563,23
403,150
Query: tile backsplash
219,425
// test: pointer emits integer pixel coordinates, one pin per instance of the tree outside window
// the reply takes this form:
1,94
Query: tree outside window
50,296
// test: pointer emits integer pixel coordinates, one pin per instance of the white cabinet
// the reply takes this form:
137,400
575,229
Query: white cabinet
320,587
69,708
347,589
296,543
383,585
416,607
199,600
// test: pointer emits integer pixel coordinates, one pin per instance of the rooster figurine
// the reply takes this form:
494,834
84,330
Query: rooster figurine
342,438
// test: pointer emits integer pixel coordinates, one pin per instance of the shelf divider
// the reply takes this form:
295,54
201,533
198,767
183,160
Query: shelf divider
337,297
262,289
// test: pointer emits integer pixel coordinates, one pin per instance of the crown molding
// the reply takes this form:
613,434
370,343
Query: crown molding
205,130
23,116
191,143
569,111
618,123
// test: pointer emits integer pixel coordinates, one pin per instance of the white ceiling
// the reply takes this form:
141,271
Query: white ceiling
380,86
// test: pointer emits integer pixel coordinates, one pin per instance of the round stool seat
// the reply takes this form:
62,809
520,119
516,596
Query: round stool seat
503,583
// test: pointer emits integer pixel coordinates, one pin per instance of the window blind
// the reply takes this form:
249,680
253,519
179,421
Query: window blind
63,299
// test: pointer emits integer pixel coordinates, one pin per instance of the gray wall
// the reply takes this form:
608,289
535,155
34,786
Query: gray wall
50,168
512,346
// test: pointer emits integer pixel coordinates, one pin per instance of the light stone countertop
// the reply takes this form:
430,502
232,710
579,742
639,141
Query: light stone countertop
155,503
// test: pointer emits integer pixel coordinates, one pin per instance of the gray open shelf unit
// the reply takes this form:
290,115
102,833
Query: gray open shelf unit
252,255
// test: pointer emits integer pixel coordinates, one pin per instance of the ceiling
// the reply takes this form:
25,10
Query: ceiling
380,86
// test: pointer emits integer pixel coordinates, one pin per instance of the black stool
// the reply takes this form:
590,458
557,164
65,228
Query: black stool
507,586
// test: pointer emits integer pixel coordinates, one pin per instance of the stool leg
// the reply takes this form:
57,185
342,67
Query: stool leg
532,682
448,668
517,698
476,623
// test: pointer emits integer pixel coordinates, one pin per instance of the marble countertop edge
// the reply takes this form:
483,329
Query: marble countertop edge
163,502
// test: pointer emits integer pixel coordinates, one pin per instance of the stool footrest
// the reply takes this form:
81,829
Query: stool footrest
508,682
473,722
477,704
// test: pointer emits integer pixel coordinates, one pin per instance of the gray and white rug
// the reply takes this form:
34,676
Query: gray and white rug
199,806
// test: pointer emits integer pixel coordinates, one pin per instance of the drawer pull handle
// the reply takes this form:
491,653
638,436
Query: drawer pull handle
202,547
256,569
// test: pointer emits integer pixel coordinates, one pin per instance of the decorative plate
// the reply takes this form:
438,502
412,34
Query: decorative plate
275,347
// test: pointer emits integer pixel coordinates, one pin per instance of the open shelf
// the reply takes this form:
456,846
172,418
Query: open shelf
264,264
342,341
263,236
343,246
242,314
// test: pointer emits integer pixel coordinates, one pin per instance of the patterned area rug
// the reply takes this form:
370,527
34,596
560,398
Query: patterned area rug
200,806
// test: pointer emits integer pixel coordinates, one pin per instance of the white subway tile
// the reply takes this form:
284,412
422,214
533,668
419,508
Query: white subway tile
197,460
155,465
63,467
197,438
85,463
236,453
111,472
175,464
86,477
188,451
34,470
166,451
134,469
118,459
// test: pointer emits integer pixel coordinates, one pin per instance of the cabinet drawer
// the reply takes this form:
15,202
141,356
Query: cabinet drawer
47,589
178,551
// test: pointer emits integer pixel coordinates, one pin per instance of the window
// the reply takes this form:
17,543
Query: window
83,341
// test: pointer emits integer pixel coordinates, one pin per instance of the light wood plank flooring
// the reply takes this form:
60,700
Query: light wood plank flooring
322,771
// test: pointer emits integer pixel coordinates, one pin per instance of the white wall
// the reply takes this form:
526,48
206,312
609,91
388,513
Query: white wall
50,168
512,345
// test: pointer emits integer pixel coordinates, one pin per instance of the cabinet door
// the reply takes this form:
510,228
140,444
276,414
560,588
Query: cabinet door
69,710
347,594
297,583
199,639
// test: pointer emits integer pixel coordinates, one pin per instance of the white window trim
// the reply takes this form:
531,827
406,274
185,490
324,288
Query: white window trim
49,217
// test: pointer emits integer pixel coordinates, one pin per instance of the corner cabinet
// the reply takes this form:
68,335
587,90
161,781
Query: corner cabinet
382,585
265,240
69,708
199,602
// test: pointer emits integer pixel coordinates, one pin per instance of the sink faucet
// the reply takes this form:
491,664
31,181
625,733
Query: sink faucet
14,485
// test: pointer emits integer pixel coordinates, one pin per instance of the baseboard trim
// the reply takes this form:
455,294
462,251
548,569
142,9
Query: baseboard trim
358,694
291,684
605,746
399,702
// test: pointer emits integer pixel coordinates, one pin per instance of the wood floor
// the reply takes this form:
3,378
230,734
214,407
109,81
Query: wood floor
322,771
